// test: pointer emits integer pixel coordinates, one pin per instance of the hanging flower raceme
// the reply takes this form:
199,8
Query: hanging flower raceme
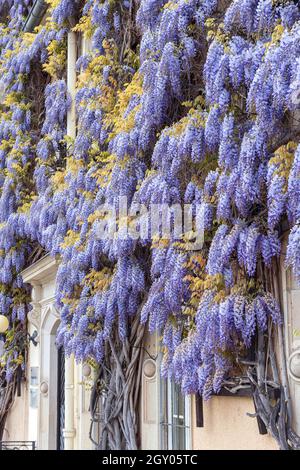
184,102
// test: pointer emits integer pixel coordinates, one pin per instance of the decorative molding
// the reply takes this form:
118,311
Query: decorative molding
149,369
38,275
41,276
294,365
50,310
44,388
36,292
149,401
50,319
34,316
41,271
69,434
48,301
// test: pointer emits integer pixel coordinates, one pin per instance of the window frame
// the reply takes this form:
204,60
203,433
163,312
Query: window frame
34,387
169,392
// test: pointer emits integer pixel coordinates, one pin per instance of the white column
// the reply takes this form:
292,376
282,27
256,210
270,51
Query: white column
71,82
69,431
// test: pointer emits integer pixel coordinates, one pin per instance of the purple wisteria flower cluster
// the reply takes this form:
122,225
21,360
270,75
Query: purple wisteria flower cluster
186,101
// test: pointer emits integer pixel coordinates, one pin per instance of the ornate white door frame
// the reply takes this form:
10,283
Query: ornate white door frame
291,305
45,318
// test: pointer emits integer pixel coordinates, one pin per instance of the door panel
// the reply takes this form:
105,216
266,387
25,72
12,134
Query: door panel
292,336
61,399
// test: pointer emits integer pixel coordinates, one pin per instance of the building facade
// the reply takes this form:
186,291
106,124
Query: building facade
54,406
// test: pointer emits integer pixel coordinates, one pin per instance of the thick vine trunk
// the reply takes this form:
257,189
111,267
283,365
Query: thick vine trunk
7,397
115,398
269,377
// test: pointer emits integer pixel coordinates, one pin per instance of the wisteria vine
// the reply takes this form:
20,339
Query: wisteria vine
193,101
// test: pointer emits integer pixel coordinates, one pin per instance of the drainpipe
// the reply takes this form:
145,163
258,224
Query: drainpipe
69,431
35,16
71,80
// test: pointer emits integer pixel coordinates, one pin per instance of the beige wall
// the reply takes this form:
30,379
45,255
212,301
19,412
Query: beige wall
227,426
21,423
17,421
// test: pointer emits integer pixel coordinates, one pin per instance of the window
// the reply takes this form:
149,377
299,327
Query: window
175,417
34,382
60,399
86,46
